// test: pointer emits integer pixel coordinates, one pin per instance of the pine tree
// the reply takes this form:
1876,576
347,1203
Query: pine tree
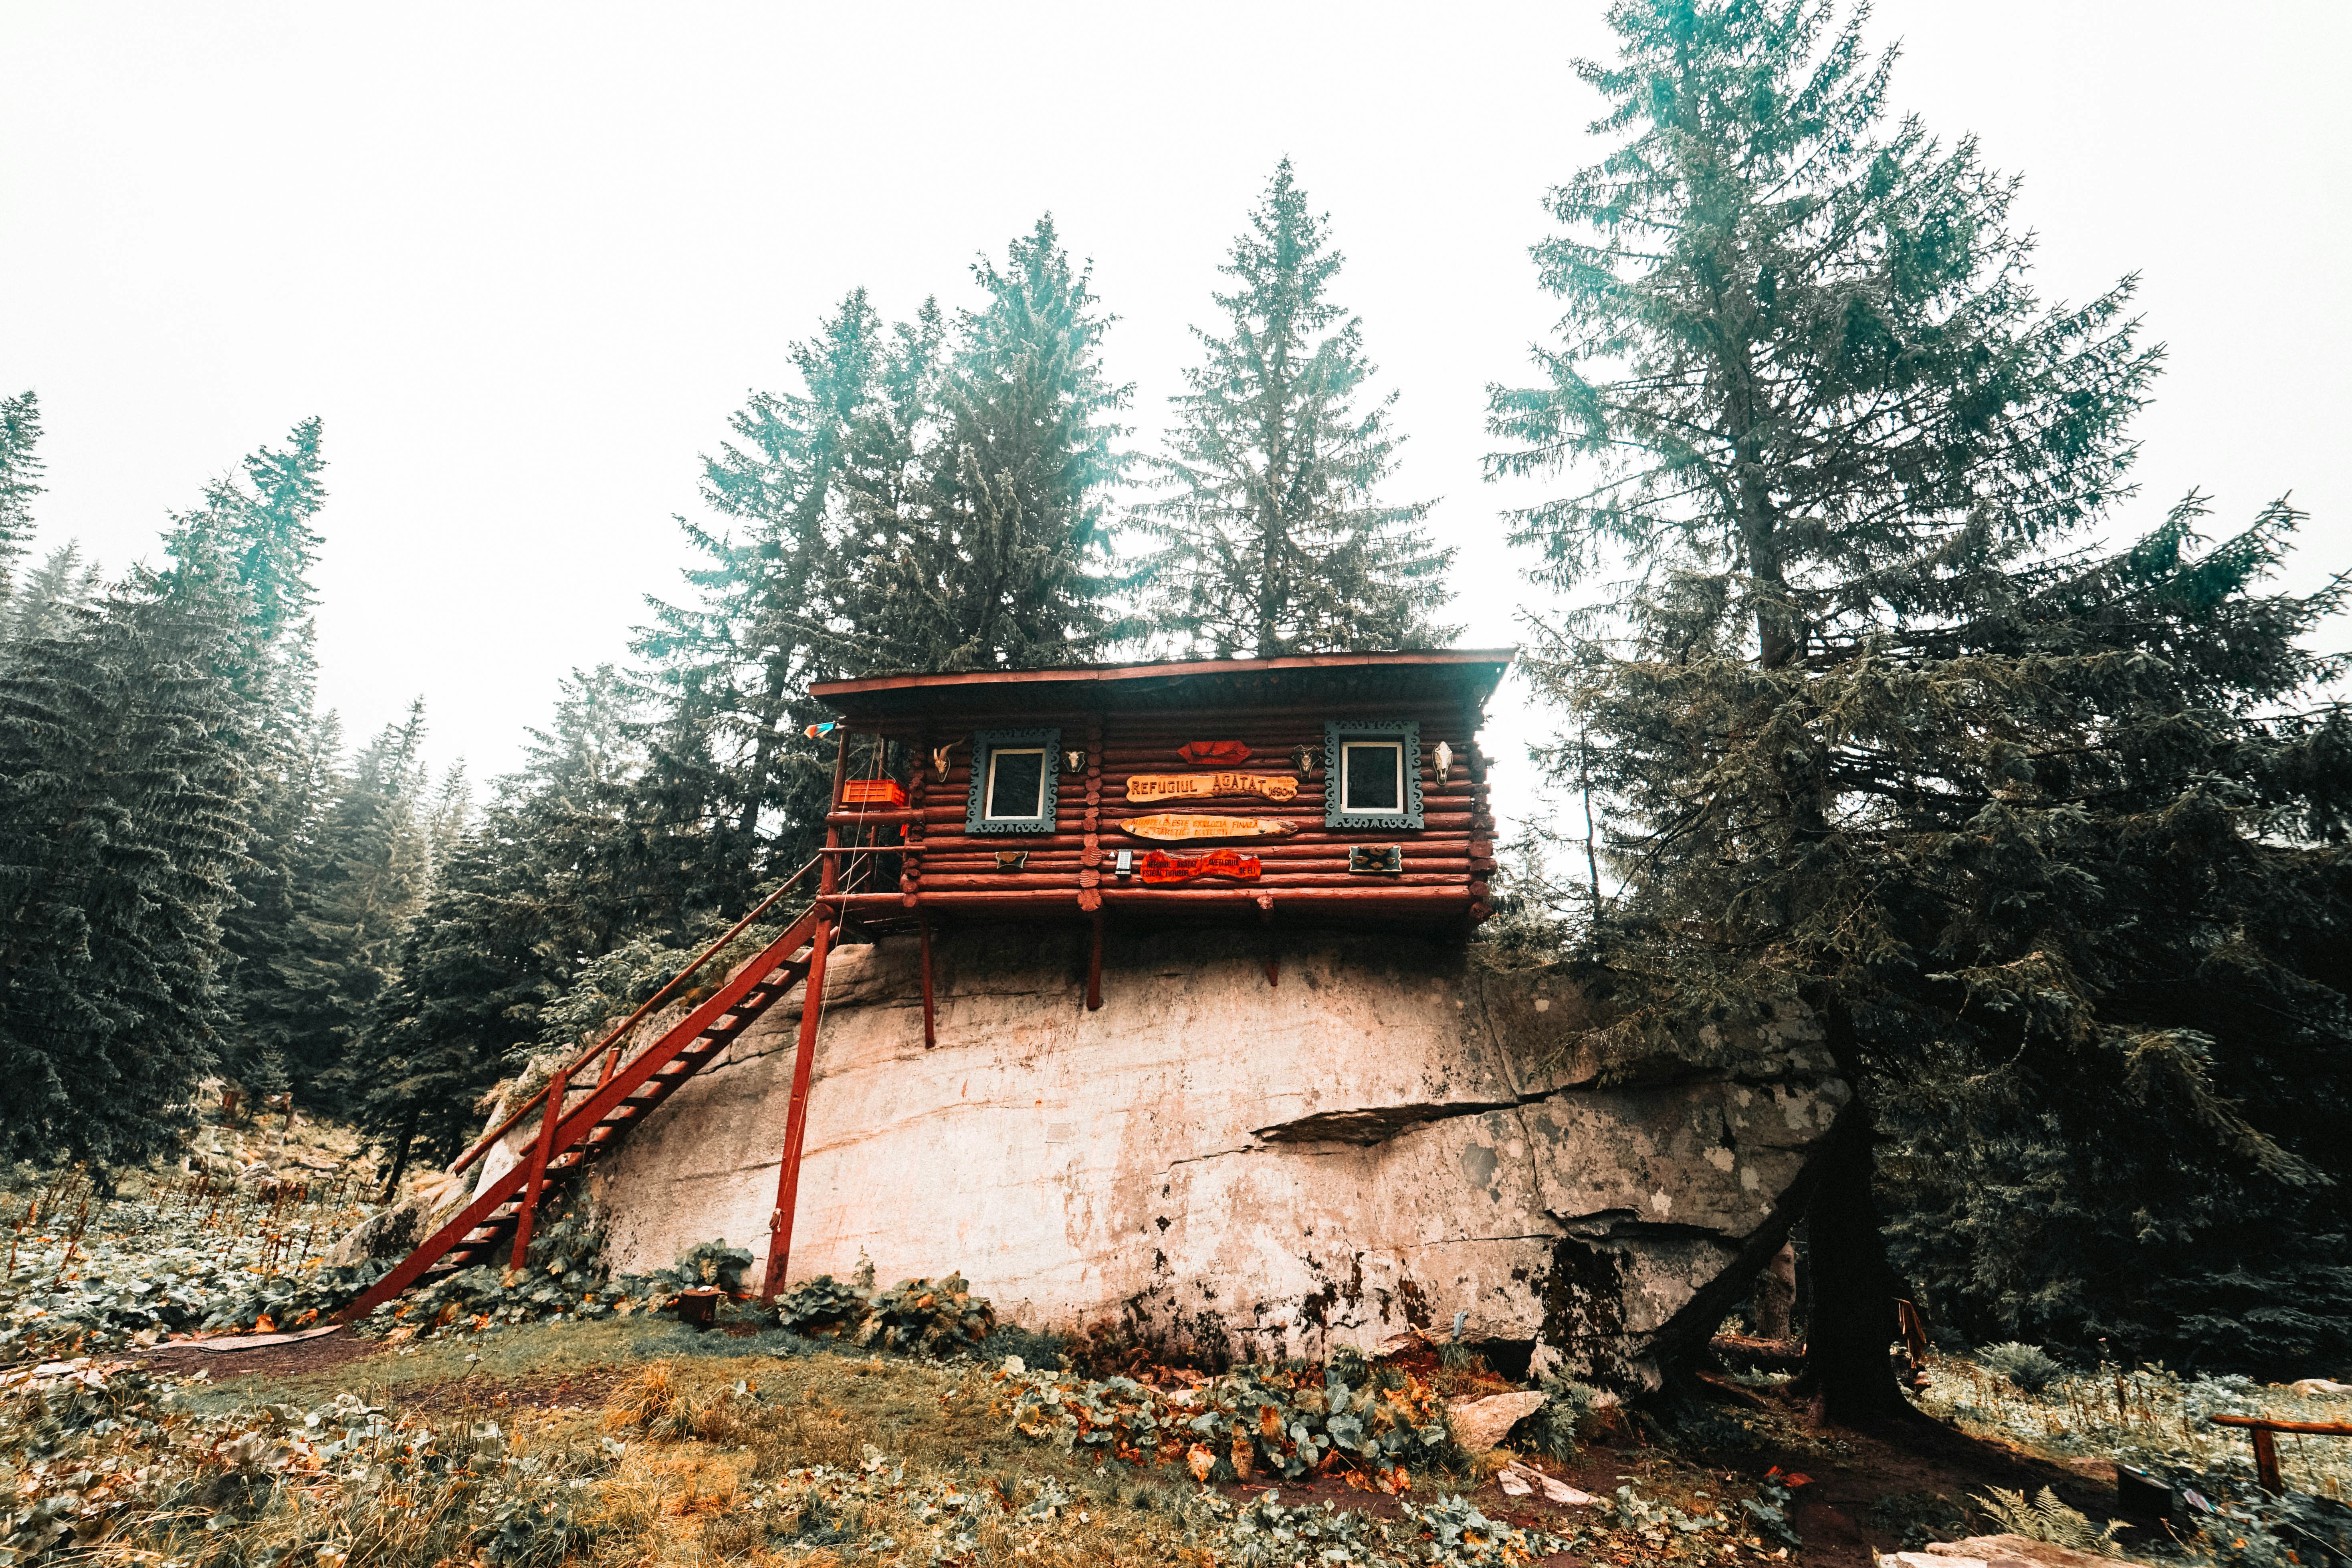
43,604
1880,739
1274,540
274,991
249,548
446,823
729,670
473,971
999,553
20,481
365,876
119,829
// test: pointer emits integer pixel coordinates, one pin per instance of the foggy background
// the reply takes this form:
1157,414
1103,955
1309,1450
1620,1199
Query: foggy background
525,261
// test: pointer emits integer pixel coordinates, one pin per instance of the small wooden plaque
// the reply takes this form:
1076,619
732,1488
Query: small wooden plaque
1376,860
1181,786
1159,866
1168,825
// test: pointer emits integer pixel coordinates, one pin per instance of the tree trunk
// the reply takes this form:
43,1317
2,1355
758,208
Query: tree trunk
1776,1292
401,1146
1848,1375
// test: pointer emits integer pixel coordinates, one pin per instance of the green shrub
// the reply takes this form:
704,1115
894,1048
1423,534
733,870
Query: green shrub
2028,1366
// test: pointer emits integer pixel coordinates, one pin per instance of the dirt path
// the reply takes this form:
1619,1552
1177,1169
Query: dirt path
295,1359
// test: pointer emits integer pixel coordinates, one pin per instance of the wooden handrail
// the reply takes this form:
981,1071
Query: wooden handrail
631,1022
2264,1424
2263,1430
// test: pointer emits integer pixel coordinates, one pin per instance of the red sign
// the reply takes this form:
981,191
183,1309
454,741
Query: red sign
1226,752
1159,866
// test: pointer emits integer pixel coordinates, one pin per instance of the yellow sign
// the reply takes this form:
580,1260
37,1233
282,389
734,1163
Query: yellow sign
1176,786
1168,825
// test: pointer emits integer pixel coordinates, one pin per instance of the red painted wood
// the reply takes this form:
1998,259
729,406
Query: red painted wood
1157,866
614,1039
538,1157
931,1033
573,1133
787,1177
1226,753
1094,961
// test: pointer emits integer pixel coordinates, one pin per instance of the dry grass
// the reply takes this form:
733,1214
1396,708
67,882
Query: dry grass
756,1461
2150,1416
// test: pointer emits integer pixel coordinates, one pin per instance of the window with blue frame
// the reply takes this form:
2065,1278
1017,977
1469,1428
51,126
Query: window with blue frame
1372,774
1013,777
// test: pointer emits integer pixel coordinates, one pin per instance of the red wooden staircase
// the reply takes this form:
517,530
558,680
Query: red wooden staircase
625,1093
500,1213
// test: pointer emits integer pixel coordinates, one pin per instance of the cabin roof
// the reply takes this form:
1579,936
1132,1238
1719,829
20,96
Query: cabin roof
1401,675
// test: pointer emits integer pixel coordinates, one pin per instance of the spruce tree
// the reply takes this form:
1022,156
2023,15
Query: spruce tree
20,481
119,829
729,670
44,601
472,972
1273,539
1882,740
366,874
248,549
999,553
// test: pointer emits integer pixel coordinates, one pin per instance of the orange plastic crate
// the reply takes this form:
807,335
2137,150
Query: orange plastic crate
873,792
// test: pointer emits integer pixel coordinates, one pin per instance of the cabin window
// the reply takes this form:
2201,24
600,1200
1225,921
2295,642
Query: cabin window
1013,781
1371,775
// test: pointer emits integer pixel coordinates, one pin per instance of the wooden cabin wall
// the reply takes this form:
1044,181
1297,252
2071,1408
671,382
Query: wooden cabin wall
1446,862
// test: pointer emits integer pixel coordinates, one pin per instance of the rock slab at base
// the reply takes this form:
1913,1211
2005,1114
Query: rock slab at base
1389,1135
1480,1423
1997,1552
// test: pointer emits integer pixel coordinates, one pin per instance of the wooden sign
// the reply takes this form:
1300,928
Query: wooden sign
1159,866
1375,859
1169,825
1197,752
1176,786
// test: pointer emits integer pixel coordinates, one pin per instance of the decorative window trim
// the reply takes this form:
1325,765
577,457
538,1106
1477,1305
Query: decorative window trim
984,746
1335,734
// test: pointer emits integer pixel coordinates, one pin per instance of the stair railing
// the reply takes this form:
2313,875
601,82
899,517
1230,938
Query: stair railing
612,1040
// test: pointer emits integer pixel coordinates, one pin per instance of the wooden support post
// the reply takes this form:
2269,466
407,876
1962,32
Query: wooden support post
2267,1464
788,1178
1094,963
1273,959
542,1149
930,1030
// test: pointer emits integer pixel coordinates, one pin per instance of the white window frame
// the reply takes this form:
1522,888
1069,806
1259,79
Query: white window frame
987,791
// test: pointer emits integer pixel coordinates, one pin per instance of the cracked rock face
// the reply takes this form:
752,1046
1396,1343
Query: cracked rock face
1387,1136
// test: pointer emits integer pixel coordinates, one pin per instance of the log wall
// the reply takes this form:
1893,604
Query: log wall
1446,861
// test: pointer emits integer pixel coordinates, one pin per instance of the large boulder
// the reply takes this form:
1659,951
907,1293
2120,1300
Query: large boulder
1390,1135
394,1231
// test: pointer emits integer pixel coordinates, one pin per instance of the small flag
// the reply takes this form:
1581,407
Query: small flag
814,731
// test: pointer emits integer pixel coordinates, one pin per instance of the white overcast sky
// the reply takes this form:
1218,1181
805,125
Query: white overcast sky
524,260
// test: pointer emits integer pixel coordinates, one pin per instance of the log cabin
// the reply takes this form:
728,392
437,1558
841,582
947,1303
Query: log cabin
1144,996
1320,788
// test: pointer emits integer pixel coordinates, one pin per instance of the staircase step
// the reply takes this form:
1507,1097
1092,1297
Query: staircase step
675,1060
